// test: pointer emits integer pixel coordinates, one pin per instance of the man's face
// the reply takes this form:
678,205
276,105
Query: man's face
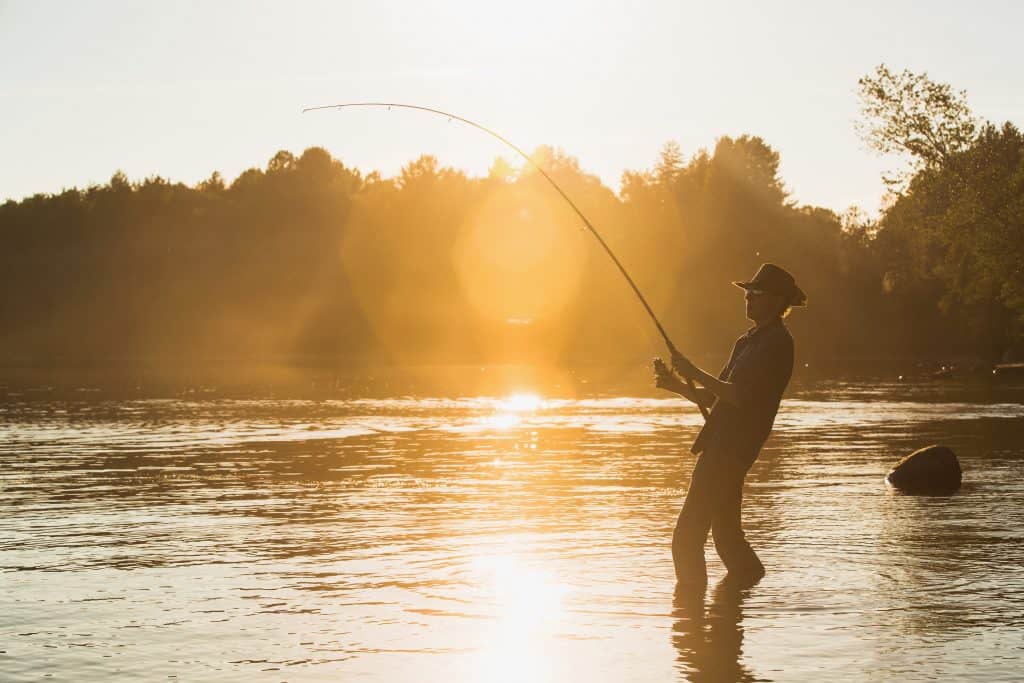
762,306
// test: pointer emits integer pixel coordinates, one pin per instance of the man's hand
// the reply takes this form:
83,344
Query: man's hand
663,377
682,365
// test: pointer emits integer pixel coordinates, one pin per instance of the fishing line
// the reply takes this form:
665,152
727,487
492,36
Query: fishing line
636,290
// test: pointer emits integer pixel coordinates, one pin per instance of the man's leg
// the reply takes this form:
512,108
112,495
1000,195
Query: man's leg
726,526
693,524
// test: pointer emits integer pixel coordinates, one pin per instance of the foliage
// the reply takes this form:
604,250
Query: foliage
308,260
956,230
909,114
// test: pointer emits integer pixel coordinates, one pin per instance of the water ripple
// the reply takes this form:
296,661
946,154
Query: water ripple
488,537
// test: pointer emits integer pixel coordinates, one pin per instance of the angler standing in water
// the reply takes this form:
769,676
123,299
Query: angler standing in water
745,397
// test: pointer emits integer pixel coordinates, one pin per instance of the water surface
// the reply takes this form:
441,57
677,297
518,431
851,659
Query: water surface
510,538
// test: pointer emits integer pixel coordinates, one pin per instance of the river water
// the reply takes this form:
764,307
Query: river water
510,538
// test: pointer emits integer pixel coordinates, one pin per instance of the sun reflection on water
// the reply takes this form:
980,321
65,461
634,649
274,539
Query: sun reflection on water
528,611
521,403
501,421
509,411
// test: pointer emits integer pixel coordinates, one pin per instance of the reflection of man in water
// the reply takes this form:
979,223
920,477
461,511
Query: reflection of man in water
745,396
710,644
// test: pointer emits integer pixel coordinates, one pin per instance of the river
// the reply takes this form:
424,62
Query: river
508,538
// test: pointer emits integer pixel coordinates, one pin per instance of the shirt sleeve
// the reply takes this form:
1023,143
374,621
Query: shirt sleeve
765,375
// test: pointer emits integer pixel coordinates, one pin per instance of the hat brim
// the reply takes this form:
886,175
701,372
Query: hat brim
796,297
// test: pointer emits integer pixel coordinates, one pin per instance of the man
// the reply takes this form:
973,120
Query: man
745,397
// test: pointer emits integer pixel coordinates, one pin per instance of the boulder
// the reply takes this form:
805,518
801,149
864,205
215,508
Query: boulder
932,469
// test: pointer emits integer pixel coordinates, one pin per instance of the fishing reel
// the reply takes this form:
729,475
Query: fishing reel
661,370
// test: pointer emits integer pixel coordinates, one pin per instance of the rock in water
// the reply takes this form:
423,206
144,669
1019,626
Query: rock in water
933,469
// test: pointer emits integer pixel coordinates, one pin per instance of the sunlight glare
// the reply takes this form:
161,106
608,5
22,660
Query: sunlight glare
501,421
521,403
529,606
509,411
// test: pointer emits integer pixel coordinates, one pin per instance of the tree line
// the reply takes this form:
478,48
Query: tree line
311,261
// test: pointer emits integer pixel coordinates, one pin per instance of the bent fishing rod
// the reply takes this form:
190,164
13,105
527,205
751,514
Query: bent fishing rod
636,290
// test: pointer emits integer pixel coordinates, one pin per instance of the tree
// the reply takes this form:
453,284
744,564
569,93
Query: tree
670,163
957,225
908,113
501,170
280,162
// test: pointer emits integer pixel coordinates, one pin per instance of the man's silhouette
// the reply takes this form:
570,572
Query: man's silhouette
745,397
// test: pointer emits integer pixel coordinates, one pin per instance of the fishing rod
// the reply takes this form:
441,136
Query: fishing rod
636,290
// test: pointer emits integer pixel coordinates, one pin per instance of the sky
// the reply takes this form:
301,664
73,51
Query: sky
181,89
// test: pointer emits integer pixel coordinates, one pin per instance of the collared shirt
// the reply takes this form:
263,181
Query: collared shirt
760,366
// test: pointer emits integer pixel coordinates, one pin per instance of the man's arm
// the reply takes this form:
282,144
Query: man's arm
726,391
764,381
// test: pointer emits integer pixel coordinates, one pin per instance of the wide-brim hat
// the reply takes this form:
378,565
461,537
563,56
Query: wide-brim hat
775,280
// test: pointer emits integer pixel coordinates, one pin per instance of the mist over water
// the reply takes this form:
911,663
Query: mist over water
501,538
